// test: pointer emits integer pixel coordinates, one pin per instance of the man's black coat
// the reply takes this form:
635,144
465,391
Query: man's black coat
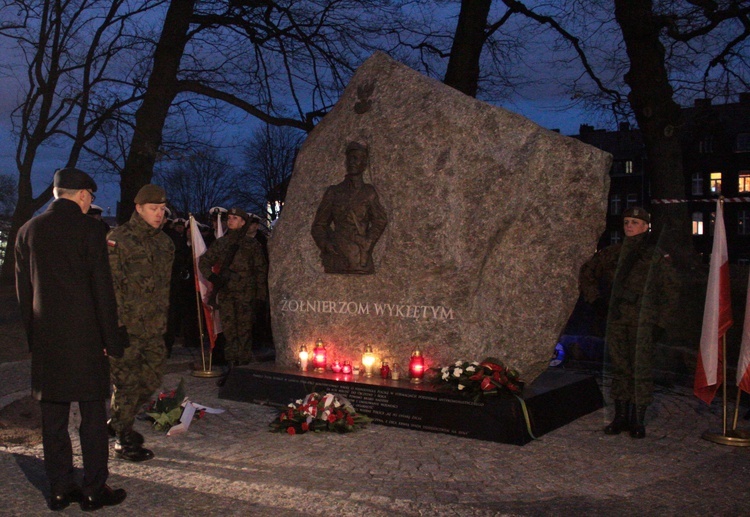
67,303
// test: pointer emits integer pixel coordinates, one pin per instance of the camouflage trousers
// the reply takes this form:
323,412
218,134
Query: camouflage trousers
237,318
135,377
631,357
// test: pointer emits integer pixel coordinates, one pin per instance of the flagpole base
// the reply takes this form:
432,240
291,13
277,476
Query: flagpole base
207,374
736,438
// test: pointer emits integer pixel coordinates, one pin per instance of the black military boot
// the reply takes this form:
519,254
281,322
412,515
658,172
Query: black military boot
129,447
637,427
620,422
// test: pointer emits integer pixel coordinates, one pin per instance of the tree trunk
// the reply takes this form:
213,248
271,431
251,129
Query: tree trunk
658,117
463,65
151,116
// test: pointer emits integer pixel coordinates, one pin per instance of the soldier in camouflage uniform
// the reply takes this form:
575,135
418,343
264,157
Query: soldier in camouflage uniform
240,283
141,256
638,282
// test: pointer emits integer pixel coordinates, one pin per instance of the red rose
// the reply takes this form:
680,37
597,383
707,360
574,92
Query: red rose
349,420
332,418
305,427
492,366
477,376
487,384
290,430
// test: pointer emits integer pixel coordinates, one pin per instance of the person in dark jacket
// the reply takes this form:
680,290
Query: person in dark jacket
69,313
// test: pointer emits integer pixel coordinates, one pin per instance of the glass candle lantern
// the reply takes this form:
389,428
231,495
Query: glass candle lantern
416,366
368,360
336,366
385,370
303,357
346,367
319,356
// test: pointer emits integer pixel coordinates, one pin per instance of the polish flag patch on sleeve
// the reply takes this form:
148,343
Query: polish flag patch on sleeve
111,243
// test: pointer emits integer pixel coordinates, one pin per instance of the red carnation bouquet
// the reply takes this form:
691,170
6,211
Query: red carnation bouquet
316,413
477,379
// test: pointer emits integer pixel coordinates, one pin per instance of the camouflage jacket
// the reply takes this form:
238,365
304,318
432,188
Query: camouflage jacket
141,260
635,278
248,272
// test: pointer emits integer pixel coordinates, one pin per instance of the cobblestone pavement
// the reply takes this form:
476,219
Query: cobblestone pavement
230,464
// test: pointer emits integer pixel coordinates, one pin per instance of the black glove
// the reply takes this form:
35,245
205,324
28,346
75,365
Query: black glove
218,281
117,350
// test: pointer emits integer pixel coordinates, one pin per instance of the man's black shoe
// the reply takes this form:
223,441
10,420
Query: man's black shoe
61,501
106,496
134,453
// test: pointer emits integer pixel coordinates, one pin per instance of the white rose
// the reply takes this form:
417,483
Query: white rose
461,386
457,372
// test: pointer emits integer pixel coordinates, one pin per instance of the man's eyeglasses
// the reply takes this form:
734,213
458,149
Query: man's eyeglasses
93,197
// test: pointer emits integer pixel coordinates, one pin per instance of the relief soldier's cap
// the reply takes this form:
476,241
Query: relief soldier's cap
217,210
179,220
356,146
637,212
150,194
95,209
239,213
73,179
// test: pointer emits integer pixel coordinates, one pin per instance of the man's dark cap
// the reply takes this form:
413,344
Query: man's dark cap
239,213
95,209
356,146
637,212
150,194
73,179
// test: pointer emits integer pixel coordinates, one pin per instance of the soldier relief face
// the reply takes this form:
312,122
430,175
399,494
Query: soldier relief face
633,226
152,213
356,162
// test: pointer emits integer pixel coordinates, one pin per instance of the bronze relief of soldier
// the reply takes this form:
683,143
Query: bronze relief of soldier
350,219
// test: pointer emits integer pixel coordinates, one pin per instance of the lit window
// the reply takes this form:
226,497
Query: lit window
715,183
743,143
697,184
744,183
632,200
628,167
743,222
615,205
697,223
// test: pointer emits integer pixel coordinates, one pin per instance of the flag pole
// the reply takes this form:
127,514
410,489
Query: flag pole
207,371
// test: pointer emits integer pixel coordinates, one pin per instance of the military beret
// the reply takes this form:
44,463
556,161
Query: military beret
356,146
637,212
73,179
150,194
239,213
95,209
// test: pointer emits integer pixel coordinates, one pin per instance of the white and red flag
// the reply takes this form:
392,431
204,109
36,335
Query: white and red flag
743,366
213,322
717,316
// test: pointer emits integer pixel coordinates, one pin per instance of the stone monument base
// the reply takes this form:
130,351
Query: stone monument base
555,398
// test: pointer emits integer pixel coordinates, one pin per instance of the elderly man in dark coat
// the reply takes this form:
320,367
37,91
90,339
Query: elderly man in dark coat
68,307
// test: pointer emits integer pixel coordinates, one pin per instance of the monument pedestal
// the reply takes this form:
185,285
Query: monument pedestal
554,399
